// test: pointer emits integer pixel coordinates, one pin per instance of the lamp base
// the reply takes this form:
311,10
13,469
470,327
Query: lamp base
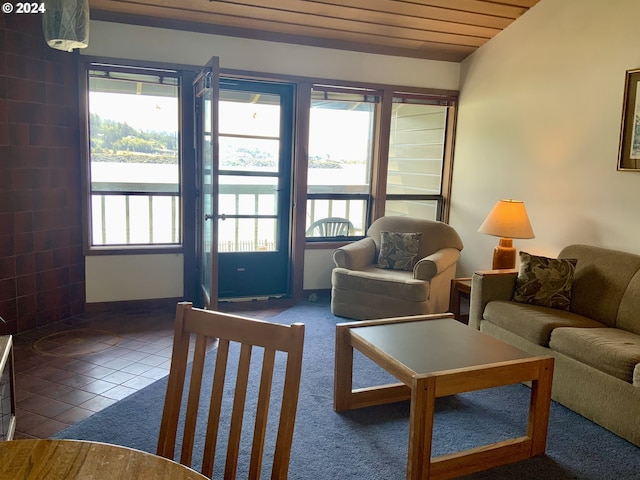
504,255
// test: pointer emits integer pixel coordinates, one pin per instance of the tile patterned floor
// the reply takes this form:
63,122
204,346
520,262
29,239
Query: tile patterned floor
67,371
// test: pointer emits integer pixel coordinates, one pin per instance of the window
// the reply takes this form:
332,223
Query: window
341,132
372,150
416,157
343,153
134,161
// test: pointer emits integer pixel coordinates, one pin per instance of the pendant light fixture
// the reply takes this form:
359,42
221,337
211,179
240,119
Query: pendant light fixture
65,24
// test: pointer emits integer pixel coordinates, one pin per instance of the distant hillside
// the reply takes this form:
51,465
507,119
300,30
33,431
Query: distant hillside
113,141
135,157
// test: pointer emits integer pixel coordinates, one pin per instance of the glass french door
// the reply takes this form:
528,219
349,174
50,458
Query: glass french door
254,188
206,127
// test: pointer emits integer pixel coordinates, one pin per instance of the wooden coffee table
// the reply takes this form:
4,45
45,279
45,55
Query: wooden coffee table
435,356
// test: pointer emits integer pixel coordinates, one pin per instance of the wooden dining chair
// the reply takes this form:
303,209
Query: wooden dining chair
250,336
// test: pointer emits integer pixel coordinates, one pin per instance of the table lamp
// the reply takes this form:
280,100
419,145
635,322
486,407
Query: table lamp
508,220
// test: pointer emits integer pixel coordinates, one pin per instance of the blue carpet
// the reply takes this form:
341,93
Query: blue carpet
371,443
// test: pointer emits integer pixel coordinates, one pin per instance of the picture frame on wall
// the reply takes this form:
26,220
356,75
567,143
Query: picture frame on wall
629,154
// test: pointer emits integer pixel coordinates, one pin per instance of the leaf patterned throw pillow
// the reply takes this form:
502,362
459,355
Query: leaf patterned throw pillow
398,251
545,281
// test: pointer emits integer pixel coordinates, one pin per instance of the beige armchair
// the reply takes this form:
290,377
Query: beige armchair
362,290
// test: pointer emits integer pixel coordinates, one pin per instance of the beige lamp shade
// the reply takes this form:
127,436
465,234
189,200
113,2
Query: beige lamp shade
508,219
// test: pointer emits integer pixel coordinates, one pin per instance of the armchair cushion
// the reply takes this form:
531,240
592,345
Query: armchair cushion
398,250
377,282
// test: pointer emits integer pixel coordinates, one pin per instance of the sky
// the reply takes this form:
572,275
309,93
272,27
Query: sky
142,112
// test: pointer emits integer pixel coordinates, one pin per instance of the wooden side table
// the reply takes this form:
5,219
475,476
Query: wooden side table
460,288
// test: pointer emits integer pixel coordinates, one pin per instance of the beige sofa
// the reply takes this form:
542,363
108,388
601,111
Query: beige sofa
596,343
362,291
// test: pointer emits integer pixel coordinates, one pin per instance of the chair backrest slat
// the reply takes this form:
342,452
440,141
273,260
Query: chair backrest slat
215,408
175,387
290,393
237,414
262,412
249,333
193,401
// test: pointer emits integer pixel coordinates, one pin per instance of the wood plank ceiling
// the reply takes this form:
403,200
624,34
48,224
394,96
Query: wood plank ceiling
447,30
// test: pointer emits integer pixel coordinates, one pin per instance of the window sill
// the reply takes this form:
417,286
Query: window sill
133,250
328,244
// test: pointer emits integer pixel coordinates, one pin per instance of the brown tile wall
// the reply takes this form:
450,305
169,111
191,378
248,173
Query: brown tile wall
41,257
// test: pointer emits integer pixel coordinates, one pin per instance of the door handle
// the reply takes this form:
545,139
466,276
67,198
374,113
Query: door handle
222,216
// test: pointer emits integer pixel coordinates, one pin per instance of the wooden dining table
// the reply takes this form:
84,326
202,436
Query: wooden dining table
49,459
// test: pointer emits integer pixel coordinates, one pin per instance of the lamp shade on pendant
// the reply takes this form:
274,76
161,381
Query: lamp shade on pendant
65,24
508,220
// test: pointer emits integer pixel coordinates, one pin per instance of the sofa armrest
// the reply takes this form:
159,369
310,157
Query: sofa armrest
355,255
428,267
487,286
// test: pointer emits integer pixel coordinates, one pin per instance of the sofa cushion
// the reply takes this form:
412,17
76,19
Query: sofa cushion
398,250
636,376
601,279
610,350
628,318
374,281
544,281
533,322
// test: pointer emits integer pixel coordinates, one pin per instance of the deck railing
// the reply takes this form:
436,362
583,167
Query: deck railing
121,216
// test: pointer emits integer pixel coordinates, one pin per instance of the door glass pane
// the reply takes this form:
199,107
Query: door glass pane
207,189
249,131
248,195
249,142
247,235
249,113
256,154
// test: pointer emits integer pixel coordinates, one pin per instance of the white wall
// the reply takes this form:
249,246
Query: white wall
154,44
317,269
539,120
125,277
105,279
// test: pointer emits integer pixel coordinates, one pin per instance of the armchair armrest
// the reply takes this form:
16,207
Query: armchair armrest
428,267
486,286
355,255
